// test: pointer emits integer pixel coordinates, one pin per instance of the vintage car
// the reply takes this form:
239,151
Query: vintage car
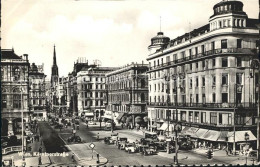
114,138
151,136
161,137
120,140
130,147
74,139
147,150
92,123
107,139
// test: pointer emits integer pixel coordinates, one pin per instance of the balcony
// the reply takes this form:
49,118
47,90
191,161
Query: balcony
139,102
203,105
247,51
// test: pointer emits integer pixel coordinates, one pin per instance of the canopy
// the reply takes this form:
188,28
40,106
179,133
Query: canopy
211,135
190,131
120,115
240,136
164,126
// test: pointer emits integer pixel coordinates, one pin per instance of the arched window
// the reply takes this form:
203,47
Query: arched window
16,73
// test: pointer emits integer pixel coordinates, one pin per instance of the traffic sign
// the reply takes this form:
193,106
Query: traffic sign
92,145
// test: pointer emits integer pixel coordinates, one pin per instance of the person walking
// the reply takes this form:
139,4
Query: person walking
73,157
40,160
40,150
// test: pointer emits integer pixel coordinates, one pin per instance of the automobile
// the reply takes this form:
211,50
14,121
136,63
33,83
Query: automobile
122,145
161,137
74,138
114,138
130,147
148,150
185,146
160,146
92,123
120,140
106,139
151,136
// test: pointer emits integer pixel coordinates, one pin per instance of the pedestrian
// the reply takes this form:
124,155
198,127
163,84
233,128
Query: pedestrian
40,150
73,157
40,160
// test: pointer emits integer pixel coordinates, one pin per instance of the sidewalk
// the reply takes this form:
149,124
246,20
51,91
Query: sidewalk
31,159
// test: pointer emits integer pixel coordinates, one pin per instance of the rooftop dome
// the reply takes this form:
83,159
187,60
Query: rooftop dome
225,7
159,41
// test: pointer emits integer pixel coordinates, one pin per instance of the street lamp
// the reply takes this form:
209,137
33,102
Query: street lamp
246,139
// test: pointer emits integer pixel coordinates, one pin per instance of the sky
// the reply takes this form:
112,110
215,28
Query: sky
115,32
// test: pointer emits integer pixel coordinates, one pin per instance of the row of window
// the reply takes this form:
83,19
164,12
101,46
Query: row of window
101,79
193,67
90,86
194,51
140,83
224,81
202,117
224,98
90,94
89,103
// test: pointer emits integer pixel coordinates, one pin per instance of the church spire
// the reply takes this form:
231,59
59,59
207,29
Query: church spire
54,56
54,70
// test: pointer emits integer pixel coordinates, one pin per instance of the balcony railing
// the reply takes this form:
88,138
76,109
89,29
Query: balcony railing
203,105
208,53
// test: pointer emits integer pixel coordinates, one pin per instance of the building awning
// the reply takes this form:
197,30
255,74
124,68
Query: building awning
89,114
222,136
240,136
163,127
120,116
107,116
190,131
201,132
211,135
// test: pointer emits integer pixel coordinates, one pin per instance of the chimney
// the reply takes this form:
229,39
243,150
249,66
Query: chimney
26,56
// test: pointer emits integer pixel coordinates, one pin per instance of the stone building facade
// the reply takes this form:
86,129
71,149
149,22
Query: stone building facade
206,76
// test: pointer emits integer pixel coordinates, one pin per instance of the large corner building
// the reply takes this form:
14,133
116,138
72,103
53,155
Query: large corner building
206,74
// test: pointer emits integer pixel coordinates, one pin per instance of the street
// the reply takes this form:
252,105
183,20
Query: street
115,156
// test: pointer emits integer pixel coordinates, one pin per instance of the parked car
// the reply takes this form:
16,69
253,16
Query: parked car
92,123
74,139
161,137
106,139
114,138
130,147
120,140
160,146
151,136
148,150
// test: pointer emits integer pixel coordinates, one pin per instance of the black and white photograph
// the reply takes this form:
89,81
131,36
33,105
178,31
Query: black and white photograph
130,83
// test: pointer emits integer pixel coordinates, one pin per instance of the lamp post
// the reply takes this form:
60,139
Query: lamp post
246,139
